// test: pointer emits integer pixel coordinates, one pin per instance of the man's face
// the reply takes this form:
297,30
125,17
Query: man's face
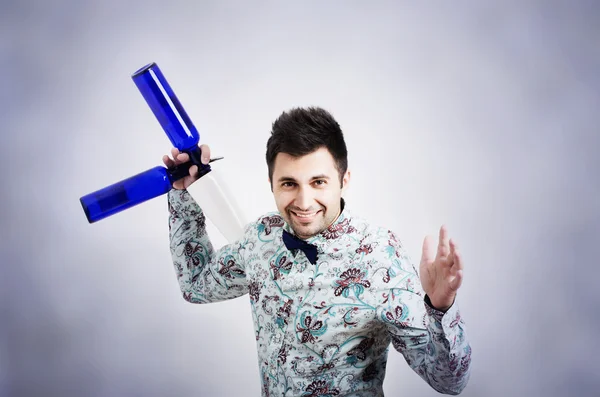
307,191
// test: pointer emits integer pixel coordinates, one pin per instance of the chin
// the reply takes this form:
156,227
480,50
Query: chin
304,234
306,231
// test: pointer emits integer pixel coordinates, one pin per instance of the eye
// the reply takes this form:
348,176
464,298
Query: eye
288,184
320,182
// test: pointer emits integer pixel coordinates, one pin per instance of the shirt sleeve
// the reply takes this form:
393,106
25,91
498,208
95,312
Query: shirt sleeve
204,275
433,343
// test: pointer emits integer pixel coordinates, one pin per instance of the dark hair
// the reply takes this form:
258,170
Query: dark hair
301,131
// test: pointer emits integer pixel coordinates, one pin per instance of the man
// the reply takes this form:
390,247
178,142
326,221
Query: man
328,291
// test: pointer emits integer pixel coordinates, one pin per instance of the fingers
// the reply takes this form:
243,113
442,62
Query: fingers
168,162
450,256
456,282
182,158
456,269
457,260
193,172
205,150
185,182
428,253
178,157
443,246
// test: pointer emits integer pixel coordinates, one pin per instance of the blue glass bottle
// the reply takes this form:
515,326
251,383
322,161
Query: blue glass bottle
158,180
168,110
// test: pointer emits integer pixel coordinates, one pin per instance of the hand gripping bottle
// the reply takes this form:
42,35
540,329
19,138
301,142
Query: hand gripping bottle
159,180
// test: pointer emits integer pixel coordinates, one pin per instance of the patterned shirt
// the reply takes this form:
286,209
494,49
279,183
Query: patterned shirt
322,329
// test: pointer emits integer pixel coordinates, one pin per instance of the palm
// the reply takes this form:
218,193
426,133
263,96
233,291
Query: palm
441,270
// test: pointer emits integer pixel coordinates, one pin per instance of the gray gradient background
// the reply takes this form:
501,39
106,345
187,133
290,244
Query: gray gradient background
484,117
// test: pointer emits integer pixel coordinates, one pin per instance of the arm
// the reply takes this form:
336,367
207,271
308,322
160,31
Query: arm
433,343
204,275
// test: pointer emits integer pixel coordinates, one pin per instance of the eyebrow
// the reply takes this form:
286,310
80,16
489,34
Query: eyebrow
290,179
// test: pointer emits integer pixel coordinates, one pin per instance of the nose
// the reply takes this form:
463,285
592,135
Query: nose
304,199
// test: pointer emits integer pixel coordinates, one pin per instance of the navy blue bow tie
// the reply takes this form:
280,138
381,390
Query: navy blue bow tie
292,242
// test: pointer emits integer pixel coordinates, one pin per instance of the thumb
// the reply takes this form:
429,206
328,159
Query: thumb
428,254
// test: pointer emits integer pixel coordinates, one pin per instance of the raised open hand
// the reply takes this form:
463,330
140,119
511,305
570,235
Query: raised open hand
441,271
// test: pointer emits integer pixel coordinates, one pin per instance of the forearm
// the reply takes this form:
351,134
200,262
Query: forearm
204,275
441,354
434,343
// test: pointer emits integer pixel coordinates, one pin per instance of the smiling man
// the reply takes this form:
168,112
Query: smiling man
307,190
329,292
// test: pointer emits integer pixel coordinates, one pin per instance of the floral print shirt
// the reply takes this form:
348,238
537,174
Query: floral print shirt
322,329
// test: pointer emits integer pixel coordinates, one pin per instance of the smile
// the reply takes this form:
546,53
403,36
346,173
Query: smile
305,216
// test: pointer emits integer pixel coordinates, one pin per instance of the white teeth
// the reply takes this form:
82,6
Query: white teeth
304,215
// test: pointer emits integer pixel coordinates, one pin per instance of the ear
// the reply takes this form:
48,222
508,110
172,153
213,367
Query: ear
345,180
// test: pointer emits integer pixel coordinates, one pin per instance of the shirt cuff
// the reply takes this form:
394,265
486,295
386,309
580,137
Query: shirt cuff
448,319
432,311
